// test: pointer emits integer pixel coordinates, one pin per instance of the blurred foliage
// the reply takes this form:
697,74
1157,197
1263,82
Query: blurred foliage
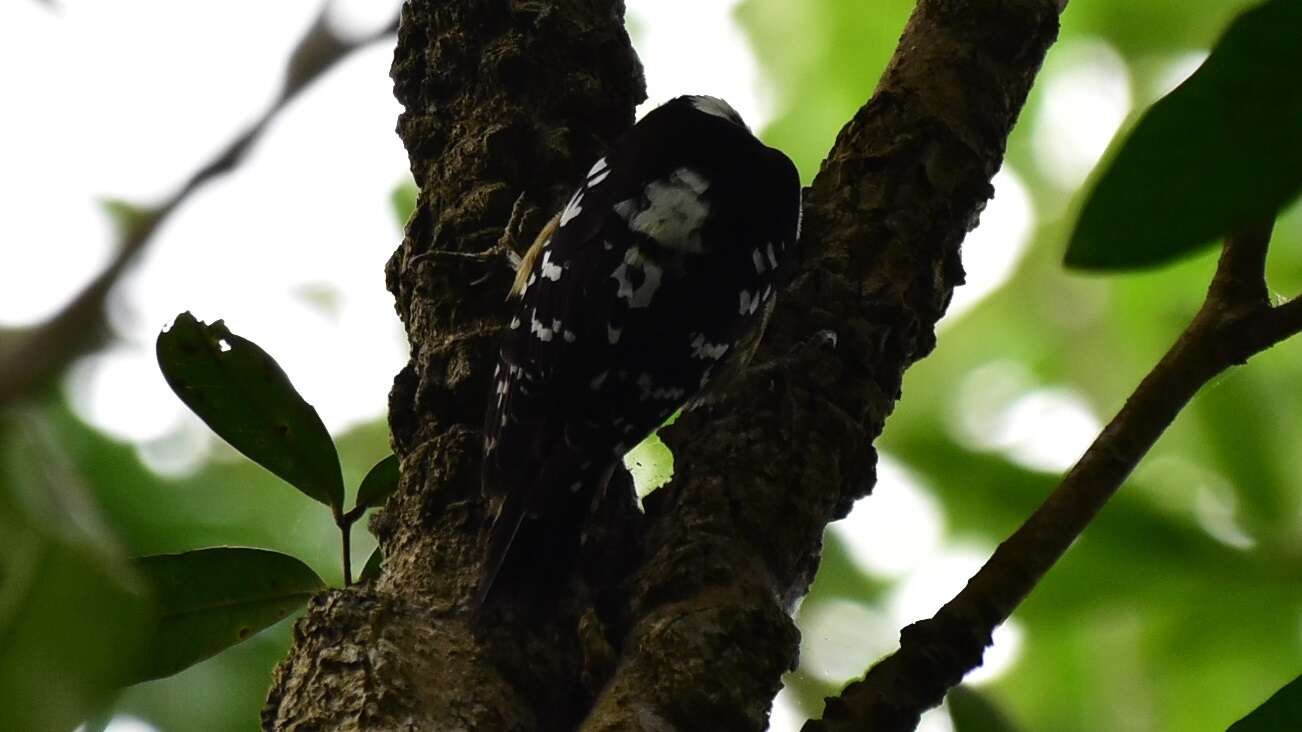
1218,154
1151,622
1281,711
1160,618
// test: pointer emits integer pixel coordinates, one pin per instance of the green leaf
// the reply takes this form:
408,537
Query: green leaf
651,463
372,568
1281,711
1220,153
211,599
403,200
972,711
379,483
73,612
244,396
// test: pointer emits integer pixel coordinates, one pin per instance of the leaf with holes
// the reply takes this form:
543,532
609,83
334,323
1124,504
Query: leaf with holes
379,483
211,599
1220,153
246,398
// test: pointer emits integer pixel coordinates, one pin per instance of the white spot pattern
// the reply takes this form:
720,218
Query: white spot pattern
676,211
537,328
573,208
706,350
773,260
548,270
613,333
748,303
758,259
640,296
649,390
599,379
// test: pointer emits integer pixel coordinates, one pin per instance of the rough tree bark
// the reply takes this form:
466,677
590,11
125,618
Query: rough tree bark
509,99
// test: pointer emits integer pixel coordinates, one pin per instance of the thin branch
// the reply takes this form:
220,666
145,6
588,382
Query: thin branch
1235,322
30,359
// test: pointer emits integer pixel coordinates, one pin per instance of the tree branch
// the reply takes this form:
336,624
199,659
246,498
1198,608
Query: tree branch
693,629
735,538
1234,323
30,359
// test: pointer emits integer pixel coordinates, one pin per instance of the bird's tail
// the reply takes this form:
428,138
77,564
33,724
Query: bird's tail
501,534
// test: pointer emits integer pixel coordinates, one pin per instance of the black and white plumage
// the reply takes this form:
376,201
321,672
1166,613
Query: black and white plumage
656,275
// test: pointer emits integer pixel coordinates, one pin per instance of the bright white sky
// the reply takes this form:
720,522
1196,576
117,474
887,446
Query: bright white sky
124,99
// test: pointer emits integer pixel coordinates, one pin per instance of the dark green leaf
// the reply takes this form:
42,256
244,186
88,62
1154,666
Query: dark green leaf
211,599
1282,711
1220,153
972,711
372,568
245,397
379,483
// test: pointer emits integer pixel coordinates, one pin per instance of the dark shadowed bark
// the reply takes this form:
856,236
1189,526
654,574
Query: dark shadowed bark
511,99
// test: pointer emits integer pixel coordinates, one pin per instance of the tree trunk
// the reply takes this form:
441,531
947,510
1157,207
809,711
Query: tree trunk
508,100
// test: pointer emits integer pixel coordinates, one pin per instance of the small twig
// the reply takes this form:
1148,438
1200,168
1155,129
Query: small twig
1235,322
31,358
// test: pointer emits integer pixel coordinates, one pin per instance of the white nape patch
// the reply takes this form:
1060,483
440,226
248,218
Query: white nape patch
640,296
676,211
599,380
748,303
548,270
573,208
537,328
706,350
613,333
758,259
718,108
773,260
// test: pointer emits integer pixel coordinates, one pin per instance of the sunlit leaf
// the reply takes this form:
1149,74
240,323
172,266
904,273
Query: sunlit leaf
244,396
211,599
1281,711
379,483
372,569
651,463
972,711
1220,153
